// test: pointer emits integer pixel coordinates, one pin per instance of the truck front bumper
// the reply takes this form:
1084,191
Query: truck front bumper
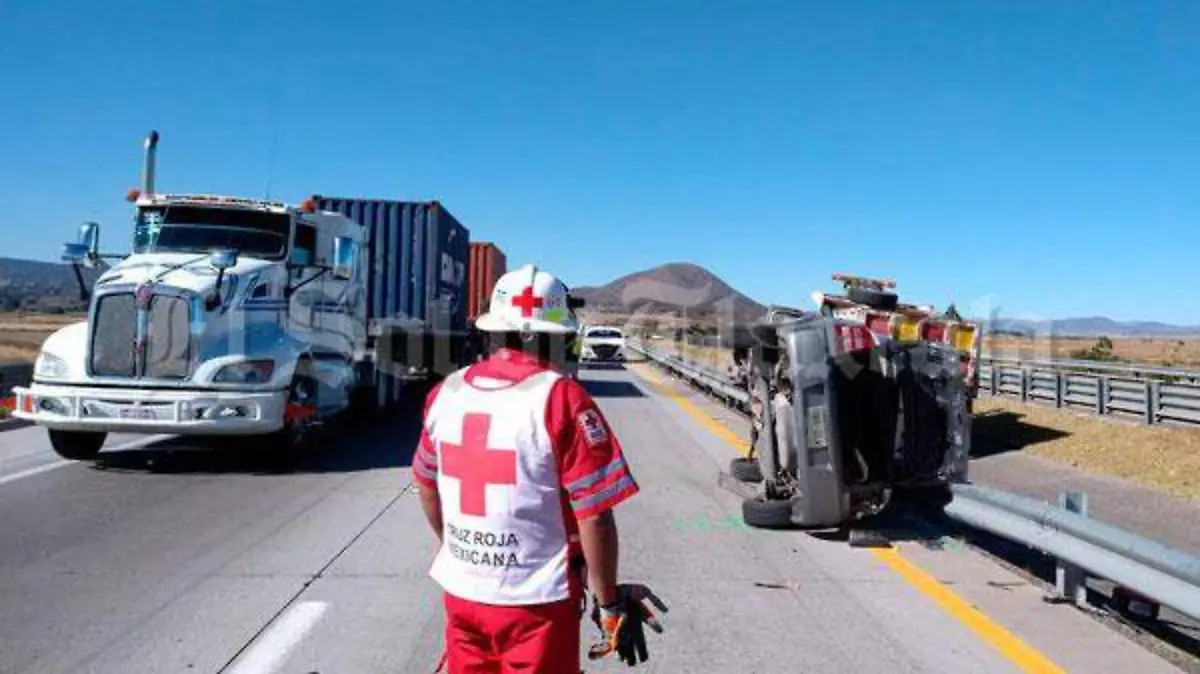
129,410
603,352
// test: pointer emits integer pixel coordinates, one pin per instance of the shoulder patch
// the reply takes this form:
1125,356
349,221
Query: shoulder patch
592,427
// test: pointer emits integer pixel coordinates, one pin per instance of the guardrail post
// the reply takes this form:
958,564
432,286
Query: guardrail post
1060,383
1152,397
995,380
1101,394
1024,385
1070,581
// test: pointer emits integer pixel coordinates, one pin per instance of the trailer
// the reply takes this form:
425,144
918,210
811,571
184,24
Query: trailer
417,256
488,264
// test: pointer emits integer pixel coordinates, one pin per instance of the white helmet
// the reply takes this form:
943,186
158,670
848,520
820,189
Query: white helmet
528,300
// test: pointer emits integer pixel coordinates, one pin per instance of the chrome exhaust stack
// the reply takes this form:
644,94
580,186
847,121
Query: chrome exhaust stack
148,165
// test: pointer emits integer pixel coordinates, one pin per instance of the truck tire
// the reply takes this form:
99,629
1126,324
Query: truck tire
765,513
745,470
876,299
77,445
296,434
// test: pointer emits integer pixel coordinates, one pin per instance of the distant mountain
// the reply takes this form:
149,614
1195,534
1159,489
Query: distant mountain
1092,326
673,288
42,286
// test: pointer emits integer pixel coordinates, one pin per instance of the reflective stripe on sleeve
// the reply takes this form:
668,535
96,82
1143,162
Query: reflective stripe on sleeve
586,481
610,492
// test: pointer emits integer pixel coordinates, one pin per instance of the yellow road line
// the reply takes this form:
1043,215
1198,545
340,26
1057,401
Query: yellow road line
1022,655
715,427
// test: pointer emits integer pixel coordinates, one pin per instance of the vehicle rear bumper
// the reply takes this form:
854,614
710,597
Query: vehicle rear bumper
130,410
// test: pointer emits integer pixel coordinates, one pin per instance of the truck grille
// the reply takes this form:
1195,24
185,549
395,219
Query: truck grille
167,339
168,342
113,335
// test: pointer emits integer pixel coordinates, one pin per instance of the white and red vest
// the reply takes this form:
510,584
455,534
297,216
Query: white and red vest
505,537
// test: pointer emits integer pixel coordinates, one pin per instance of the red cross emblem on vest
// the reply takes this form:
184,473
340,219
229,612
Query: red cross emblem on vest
526,302
476,465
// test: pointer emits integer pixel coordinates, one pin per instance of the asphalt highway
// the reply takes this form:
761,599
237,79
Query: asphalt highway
175,556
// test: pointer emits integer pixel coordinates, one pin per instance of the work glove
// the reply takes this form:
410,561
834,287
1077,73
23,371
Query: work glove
622,625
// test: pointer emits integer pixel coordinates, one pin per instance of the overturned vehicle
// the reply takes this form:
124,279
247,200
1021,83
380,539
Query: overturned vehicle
852,402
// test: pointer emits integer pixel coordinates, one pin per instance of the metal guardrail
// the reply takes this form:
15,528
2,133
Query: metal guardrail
697,377
1080,545
1155,395
1126,370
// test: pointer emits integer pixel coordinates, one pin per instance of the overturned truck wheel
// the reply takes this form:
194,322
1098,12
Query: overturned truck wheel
765,513
745,470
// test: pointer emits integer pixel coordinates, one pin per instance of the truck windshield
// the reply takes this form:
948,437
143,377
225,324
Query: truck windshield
197,229
604,333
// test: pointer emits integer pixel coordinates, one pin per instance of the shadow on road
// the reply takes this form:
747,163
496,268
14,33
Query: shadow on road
612,389
341,447
997,432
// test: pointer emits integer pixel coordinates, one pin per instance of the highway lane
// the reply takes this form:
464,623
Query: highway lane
24,450
178,558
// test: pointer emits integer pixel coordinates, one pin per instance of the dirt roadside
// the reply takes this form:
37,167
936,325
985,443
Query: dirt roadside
1166,459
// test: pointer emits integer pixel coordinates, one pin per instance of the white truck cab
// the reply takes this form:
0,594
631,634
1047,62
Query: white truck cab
229,316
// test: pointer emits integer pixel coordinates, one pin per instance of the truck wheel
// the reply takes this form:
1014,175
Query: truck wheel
745,470
876,299
77,445
765,513
299,414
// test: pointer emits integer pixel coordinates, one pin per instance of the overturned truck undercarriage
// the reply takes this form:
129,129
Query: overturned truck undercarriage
851,416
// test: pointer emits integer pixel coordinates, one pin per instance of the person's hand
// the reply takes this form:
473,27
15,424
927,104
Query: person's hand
622,625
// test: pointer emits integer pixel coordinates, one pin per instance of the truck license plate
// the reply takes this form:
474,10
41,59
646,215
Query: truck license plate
137,413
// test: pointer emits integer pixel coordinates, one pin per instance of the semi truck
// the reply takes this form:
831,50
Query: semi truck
237,316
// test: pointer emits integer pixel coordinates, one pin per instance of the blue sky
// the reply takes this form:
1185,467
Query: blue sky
1037,159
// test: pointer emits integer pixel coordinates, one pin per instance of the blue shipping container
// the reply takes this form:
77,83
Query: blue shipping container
419,255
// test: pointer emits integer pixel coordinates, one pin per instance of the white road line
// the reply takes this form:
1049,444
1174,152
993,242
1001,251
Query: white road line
45,468
271,649
33,471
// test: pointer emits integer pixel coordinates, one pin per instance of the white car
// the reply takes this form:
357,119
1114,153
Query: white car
602,342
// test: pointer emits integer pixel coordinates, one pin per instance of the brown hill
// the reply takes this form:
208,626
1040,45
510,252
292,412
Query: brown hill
678,288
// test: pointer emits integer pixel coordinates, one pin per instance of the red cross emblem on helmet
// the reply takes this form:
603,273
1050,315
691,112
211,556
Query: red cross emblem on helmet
528,299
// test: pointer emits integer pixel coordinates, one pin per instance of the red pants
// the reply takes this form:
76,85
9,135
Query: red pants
539,639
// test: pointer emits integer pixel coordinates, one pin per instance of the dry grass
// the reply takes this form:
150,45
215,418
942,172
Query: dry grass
16,354
1160,457
1167,352
22,333
716,359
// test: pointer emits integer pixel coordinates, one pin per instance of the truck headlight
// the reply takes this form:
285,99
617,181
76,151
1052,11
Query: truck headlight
249,372
49,366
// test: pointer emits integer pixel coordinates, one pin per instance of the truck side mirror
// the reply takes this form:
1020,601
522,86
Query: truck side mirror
87,249
345,258
75,253
224,259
